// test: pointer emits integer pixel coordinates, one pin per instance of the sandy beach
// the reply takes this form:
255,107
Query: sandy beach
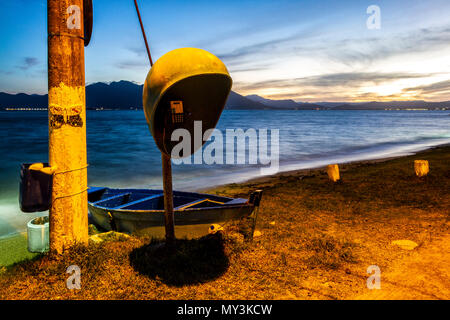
315,239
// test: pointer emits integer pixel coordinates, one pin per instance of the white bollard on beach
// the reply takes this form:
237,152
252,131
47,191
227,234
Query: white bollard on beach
333,172
421,167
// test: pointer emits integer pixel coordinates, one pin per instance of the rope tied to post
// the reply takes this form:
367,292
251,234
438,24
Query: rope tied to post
65,34
72,194
71,170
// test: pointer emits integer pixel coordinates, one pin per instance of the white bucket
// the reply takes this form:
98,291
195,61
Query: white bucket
38,234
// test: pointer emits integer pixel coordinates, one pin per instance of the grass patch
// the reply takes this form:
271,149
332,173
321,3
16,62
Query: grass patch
14,249
329,253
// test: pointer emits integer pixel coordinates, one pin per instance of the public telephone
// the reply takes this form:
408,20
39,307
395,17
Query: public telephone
177,111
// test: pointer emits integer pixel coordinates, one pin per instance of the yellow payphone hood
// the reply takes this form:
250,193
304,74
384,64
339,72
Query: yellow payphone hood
194,76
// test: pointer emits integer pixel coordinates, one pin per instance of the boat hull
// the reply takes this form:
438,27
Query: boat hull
189,222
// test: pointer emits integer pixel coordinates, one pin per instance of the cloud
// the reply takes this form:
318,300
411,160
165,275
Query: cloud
366,51
28,62
270,49
256,48
346,87
140,51
359,78
355,51
248,69
434,88
133,64
349,79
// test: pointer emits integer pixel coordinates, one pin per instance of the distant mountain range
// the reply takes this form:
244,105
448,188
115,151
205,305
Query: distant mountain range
128,95
283,104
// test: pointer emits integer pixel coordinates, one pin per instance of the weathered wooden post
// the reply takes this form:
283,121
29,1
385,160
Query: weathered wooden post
67,123
421,167
168,199
333,172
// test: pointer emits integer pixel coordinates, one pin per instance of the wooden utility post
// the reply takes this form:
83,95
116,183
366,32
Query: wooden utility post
168,199
67,124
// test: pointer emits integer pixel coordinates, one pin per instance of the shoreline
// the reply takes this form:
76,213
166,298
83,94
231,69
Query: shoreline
315,240
282,173
286,173
17,241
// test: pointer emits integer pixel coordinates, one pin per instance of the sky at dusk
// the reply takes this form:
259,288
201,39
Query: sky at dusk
302,50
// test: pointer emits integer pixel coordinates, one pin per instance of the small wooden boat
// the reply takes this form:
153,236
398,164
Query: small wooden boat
141,211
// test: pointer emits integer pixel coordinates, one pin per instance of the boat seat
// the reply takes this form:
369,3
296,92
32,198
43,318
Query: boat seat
95,193
193,203
95,189
237,201
112,197
123,206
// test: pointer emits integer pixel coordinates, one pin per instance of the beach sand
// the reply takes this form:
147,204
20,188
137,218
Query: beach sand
316,240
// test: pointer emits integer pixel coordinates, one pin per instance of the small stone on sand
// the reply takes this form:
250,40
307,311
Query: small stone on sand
109,236
257,233
405,244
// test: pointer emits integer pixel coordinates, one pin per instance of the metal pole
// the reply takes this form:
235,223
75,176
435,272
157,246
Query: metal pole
168,199
166,165
67,124
143,33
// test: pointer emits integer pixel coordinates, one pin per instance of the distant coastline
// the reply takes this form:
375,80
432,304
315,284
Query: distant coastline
24,109
126,95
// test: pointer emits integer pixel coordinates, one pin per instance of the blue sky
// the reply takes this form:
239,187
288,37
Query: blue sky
302,50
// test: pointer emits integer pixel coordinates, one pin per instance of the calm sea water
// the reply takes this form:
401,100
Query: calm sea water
122,153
